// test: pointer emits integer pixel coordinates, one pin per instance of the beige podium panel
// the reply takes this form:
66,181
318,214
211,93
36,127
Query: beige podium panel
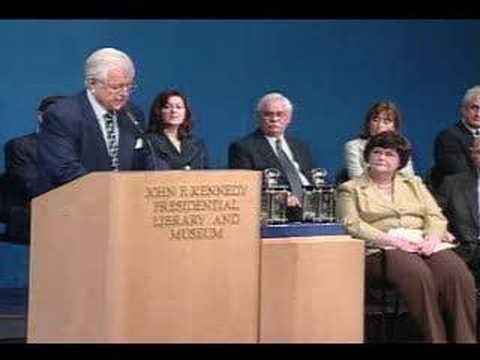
169,256
312,290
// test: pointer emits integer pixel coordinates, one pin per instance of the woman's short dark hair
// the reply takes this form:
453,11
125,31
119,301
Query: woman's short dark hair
389,140
156,123
376,109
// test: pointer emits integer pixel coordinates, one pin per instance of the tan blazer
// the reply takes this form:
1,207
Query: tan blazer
368,214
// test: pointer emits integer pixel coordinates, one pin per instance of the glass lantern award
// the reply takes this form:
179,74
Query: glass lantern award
274,198
319,199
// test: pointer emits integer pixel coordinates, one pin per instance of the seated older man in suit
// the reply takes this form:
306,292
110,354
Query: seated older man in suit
269,147
451,148
459,198
21,160
96,130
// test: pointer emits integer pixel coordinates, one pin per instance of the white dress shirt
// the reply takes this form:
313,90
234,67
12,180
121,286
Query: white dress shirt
475,132
100,112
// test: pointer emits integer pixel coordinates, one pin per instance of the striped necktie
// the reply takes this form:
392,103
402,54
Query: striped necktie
292,174
112,138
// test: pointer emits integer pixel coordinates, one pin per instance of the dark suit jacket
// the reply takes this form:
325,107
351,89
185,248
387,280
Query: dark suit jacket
451,153
22,162
255,153
21,173
71,143
458,197
194,152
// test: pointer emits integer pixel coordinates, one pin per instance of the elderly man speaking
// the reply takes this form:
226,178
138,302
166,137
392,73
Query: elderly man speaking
96,130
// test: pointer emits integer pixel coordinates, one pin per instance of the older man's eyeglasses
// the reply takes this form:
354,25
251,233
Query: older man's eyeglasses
271,114
118,88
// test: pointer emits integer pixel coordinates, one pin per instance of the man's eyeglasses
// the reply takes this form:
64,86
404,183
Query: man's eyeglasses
271,114
117,89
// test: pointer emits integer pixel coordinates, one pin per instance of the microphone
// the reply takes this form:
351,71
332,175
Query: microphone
137,127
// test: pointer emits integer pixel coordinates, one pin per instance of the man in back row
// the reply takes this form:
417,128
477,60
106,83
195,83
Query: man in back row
459,198
269,147
96,130
452,145
22,170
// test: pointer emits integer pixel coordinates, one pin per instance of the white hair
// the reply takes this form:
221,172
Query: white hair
471,94
100,62
271,97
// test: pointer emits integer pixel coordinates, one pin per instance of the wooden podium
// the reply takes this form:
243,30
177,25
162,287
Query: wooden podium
168,256
312,286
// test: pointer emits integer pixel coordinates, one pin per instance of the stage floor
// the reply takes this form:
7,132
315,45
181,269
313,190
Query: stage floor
13,321
13,310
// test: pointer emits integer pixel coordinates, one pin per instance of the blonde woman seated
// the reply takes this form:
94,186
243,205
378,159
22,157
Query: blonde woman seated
382,116
390,210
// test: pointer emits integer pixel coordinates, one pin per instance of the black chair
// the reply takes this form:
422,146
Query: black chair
5,204
13,300
384,308
14,212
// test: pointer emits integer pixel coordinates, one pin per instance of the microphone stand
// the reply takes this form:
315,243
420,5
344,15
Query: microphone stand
143,137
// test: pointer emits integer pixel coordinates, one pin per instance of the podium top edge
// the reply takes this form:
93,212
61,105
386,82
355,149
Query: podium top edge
159,172
148,174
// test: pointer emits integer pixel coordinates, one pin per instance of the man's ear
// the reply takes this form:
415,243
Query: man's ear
91,82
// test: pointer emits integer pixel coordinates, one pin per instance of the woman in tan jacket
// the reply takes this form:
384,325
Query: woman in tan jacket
396,212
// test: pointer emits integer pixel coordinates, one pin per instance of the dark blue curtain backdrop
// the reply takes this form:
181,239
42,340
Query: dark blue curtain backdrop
332,70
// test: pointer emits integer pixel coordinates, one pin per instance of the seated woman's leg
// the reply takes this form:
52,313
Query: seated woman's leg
412,277
456,286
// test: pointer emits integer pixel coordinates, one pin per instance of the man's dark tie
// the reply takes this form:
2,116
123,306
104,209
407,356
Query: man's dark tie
112,138
292,174
476,133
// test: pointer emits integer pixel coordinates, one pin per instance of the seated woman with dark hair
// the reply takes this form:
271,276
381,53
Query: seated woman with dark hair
169,132
396,212
382,116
